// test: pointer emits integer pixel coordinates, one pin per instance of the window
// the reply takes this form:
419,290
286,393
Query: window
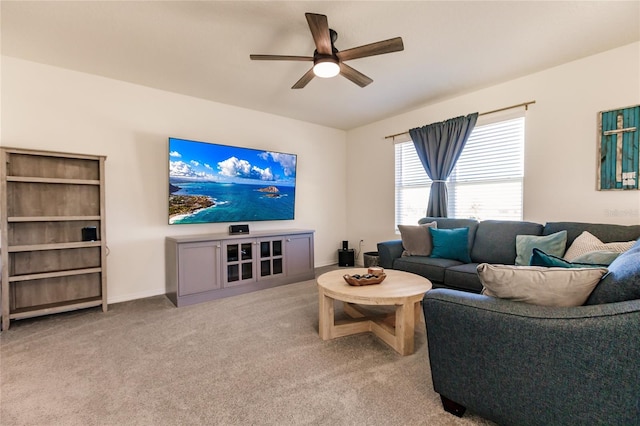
485,184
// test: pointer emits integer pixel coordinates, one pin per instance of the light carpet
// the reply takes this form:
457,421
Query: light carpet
253,359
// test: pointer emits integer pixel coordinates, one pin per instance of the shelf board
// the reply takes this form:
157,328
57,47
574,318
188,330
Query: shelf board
54,308
55,154
55,274
54,246
50,218
30,179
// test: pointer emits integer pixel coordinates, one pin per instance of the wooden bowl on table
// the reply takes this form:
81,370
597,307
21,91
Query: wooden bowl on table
359,280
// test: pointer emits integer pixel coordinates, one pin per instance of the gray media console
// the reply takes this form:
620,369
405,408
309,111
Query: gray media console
211,266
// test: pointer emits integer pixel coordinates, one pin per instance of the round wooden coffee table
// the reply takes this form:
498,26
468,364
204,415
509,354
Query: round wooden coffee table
400,289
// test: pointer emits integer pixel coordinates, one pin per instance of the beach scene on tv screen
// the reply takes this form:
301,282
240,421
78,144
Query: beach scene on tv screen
220,183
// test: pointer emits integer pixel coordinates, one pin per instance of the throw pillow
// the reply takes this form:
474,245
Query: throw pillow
587,242
540,258
416,239
623,280
600,257
451,244
553,244
539,285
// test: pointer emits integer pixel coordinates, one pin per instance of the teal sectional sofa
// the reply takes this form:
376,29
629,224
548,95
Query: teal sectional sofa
518,363
489,241
521,364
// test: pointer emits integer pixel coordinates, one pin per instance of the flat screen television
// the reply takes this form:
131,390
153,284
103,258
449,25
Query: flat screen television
219,183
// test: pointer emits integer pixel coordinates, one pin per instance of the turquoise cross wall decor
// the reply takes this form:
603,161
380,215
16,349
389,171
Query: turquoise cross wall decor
619,148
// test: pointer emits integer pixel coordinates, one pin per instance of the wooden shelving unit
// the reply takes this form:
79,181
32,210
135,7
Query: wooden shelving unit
47,198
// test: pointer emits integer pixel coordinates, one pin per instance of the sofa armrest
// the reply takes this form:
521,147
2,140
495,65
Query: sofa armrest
388,251
516,363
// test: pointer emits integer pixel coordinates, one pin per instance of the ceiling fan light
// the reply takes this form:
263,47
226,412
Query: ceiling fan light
326,68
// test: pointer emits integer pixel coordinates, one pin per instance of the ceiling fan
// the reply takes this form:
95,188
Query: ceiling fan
329,61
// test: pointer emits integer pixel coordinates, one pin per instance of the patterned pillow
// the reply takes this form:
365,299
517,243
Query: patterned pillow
587,242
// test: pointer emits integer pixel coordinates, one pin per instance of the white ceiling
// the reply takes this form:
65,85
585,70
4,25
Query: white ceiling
201,48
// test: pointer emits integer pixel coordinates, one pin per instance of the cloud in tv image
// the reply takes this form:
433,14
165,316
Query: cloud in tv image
220,183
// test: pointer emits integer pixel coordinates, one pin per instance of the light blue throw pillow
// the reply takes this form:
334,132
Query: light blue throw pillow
554,244
598,257
451,244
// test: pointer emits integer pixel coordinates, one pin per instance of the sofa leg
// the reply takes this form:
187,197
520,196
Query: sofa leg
452,406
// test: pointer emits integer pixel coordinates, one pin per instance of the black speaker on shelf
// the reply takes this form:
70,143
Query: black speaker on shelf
238,229
346,258
90,233
345,245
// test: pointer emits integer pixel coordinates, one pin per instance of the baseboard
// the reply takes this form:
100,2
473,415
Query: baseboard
134,296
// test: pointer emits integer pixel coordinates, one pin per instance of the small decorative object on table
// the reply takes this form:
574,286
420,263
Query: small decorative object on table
374,276
376,270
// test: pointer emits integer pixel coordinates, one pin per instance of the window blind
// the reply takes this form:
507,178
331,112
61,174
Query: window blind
485,184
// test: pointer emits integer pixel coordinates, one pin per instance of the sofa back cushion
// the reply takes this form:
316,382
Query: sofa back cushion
495,240
606,233
450,223
622,282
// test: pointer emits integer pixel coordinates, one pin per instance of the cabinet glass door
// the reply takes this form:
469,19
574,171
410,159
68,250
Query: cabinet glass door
233,273
277,248
247,251
265,268
277,266
271,258
239,262
247,271
265,249
232,252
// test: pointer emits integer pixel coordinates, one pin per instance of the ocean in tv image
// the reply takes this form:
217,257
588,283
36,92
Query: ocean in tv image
221,183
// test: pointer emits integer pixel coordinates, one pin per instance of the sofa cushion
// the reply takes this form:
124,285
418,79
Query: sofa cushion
623,280
416,239
463,277
540,258
429,267
495,240
587,242
605,232
552,244
538,285
450,244
451,223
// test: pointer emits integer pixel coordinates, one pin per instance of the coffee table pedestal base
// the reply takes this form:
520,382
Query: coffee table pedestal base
395,329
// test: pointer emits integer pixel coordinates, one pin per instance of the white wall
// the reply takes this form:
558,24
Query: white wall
55,109
560,148
50,108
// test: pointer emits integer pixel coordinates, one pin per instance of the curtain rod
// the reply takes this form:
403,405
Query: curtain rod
524,104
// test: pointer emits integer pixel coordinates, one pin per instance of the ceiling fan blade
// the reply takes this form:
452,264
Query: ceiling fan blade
378,48
320,31
304,80
280,58
354,75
